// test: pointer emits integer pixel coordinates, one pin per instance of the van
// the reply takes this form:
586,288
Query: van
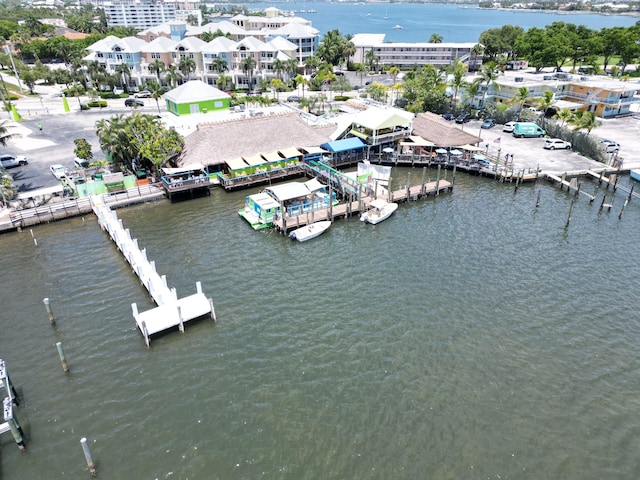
527,129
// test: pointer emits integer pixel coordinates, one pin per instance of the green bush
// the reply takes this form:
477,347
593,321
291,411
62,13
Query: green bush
342,98
84,106
97,103
107,95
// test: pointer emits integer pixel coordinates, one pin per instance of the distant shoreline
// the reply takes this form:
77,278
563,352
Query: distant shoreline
564,12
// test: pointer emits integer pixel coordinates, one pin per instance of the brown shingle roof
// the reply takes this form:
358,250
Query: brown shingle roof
434,128
213,143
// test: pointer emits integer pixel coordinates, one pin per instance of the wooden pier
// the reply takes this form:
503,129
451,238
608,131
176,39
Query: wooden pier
353,207
171,312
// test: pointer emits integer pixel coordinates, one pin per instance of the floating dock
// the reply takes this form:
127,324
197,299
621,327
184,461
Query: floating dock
171,312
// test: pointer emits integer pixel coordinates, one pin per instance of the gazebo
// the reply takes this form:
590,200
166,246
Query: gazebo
195,96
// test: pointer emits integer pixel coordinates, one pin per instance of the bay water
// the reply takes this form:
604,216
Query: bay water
471,335
454,22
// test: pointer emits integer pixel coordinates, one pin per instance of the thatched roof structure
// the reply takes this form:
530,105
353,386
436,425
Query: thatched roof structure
442,133
213,143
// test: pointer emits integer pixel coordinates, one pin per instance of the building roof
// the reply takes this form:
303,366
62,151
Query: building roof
375,118
219,45
433,128
224,26
212,144
194,91
126,44
159,45
282,44
191,44
343,145
295,30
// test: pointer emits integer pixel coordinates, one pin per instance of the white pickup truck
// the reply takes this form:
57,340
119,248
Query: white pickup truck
11,161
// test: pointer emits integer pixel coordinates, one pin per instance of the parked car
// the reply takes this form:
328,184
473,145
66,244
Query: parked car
143,94
488,123
448,116
118,91
11,161
610,146
508,127
553,143
133,102
255,92
58,171
463,118
293,98
80,163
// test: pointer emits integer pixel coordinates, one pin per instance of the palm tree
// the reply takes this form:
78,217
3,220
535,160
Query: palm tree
291,67
301,82
565,115
220,65
311,64
276,86
5,135
278,67
394,72
546,102
435,38
124,71
488,75
173,75
361,68
371,59
247,65
520,98
475,52
588,121
222,81
157,67
471,91
156,90
186,65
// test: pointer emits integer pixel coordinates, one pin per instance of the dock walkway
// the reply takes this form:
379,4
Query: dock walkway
350,208
171,312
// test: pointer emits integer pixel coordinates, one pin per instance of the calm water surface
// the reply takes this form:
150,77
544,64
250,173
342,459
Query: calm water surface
469,336
456,23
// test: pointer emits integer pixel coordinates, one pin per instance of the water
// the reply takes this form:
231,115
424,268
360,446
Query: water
455,23
468,336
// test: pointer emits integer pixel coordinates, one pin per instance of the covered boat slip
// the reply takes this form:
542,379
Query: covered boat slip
171,311
300,197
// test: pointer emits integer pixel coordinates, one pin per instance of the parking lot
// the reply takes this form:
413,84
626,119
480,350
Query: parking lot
528,153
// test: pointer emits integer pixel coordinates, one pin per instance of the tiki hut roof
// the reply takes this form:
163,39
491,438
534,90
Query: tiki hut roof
442,133
214,143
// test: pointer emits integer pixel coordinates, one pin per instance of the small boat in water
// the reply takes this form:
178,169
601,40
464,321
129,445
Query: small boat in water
635,175
397,27
379,211
310,231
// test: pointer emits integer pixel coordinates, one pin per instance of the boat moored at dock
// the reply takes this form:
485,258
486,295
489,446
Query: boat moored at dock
310,231
380,210
635,175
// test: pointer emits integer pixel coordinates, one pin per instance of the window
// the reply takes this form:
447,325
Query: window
155,56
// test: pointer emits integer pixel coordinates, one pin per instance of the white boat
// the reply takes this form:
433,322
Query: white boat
310,231
379,211
397,27
635,175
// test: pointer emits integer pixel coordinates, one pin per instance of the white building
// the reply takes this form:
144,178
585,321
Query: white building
138,14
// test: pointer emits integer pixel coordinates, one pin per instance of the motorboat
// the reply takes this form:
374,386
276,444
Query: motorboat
310,231
635,175
379,210
397,27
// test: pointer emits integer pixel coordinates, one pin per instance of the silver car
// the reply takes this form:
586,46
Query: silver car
11,161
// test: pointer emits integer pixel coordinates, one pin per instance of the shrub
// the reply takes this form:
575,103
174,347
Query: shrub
97,103
342,98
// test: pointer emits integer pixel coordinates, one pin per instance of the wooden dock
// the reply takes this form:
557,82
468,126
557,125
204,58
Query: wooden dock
171,312
350,208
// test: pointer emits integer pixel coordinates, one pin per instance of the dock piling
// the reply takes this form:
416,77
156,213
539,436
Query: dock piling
63,360
47,306
538,199
213,310
570,213
180,322
12,423
87,457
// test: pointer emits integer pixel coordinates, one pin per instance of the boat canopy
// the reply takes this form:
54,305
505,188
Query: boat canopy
265,200
417,141
343,145
314,185
288,191
272,157
378,203
290,152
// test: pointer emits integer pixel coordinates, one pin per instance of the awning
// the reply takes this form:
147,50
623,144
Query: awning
272,157
193,167
254,160
357,133
471,148
418,141
455,152
236,163
288,191
314,185
290,152
441,150
344,145
312,150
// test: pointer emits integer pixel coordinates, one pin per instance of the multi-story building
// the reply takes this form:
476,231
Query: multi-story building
410,55
607,97
138,14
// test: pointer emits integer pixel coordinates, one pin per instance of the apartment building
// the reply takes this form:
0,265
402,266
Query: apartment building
138,14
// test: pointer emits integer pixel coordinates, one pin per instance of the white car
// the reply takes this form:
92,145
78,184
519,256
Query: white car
553,143
508,127
610,145
143,94
11,161
58,171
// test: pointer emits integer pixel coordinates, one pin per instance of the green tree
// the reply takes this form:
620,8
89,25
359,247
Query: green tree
82,150
247,65
172,75
435,38
301,82
157,67
186,66
520,98
156,90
